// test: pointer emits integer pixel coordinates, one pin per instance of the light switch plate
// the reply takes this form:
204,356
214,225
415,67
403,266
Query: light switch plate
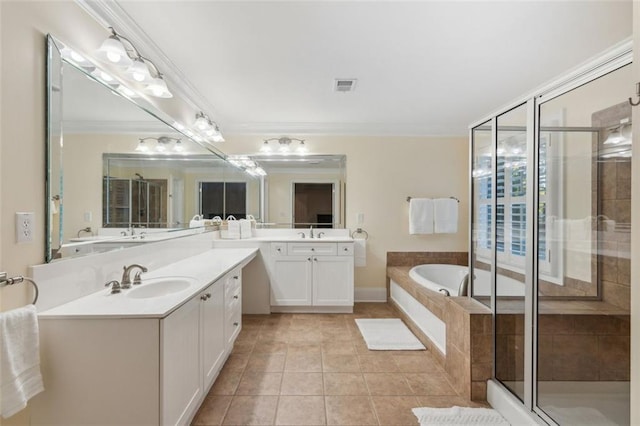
24,227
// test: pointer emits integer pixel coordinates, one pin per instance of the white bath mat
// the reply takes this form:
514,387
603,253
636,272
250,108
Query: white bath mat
388,334
459,416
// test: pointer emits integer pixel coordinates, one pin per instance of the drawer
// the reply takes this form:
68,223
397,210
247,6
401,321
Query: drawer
328,249
232,286
278,249
345,249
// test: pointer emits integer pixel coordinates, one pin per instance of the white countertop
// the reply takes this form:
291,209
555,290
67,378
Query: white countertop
204,269
289,239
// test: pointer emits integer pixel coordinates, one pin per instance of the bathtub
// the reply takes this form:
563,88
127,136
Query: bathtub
451,280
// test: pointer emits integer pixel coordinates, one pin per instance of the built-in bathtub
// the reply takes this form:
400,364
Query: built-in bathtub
450,280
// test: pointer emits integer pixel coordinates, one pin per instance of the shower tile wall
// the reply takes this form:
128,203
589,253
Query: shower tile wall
614,203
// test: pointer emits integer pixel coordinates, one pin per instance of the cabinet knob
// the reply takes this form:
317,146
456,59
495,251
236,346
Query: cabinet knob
208,295
315,259
345,249
235,297
235,324
203,297
309,259
279,249
312,249
235,277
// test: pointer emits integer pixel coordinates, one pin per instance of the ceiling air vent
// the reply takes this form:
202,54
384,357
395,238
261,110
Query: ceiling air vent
345,84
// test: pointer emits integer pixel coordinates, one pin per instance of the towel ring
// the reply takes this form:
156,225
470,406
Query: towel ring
360,231
18,279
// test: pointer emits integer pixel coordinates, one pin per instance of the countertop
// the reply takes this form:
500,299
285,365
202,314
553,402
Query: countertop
289,239
203,269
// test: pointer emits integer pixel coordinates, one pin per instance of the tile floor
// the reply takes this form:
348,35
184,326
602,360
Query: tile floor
315,369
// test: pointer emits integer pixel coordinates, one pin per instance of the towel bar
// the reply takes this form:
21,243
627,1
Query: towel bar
4,281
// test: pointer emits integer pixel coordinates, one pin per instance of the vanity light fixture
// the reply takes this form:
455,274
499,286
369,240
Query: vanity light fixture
138,68
284,143
619,135
207,127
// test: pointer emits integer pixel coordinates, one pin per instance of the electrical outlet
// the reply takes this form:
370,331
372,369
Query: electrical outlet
88,216
24,227
360,219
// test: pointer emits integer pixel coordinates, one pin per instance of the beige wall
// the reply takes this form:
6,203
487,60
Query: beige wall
380,173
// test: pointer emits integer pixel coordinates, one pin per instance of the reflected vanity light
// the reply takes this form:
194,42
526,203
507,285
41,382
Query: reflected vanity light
619,135
247,164
162,144
284,143
208,128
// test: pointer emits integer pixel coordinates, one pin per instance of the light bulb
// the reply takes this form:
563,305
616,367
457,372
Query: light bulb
284,148
202,123
112,50
302,149
160,147
158,88
139,71
114,57
266,148
178,146
142,147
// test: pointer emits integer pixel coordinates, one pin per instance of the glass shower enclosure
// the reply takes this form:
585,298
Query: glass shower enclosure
550,244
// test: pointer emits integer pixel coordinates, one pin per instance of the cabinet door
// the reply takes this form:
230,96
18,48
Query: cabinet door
332,281
181,379
291,284
213,341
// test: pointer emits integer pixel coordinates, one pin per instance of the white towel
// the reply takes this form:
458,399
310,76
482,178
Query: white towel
360,252
420,216
233,229
445,215
20,377
245,228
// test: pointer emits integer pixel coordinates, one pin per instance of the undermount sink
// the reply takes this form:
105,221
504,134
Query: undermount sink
158,287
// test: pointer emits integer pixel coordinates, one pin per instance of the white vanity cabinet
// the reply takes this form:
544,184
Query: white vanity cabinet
147,371
316,275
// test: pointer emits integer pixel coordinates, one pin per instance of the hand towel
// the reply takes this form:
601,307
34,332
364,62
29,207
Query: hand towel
233,229
20,377
420,216
360,252
445,215
245,228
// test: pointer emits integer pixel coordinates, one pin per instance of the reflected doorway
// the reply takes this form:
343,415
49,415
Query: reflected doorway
313,204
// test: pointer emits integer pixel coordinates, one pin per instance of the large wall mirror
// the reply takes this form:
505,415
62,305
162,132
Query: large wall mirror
303,190
118,174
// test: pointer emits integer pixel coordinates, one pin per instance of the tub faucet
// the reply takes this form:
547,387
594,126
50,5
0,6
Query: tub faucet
126,275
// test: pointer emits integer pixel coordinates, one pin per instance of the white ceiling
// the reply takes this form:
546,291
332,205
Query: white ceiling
423,68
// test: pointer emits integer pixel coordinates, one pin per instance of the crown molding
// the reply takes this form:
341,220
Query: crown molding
109,13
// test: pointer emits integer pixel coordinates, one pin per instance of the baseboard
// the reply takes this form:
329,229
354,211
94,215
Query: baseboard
370,294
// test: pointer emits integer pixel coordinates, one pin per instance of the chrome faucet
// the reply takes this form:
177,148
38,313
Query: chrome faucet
311,231
126,275
302,235
320,234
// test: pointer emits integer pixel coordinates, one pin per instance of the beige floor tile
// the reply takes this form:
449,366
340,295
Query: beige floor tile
350,410
377,364
395,410
272,363
270,347
301,410
338,348
344,384
387,384
236,362
313,335
247,335
301,384
212,410
304,347
336,335
340,363
419,363
430,384
303,362
259,383
251,410
272,336
243,347
226,383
